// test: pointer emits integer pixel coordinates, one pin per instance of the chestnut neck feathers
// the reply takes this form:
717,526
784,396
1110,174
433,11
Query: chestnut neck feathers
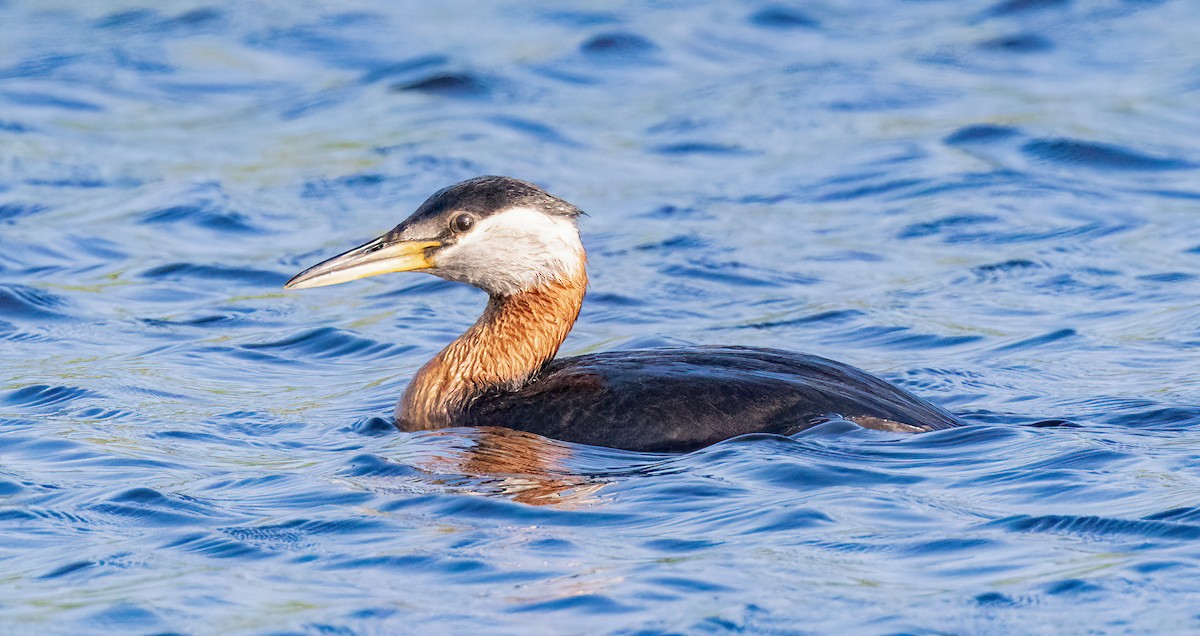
516,335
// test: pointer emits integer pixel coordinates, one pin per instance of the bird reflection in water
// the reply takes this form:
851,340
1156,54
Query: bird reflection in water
520,466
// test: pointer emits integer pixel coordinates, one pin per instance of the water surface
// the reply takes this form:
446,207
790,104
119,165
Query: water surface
992,204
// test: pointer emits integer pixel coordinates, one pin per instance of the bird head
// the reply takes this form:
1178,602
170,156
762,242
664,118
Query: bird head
500,234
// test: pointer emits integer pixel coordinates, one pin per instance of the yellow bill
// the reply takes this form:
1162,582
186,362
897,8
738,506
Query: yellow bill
381,256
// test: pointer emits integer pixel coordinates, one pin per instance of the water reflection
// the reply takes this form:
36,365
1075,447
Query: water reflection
521,466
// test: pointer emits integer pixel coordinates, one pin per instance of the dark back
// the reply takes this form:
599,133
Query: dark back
671,400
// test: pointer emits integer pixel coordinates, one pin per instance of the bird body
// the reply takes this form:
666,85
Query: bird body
521,245
681,399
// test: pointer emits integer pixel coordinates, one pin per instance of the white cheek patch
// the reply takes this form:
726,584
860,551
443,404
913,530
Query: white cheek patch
513,250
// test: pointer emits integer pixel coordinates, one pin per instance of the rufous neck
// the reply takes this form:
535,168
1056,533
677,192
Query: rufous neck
503,350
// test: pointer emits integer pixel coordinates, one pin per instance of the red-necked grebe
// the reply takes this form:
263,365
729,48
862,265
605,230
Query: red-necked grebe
521,245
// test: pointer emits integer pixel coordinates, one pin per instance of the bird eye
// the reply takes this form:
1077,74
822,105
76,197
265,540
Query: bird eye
462,223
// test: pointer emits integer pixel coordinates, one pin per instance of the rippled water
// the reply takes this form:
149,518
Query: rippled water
993,204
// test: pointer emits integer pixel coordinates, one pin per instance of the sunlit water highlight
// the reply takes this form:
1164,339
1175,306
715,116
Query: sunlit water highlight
992,204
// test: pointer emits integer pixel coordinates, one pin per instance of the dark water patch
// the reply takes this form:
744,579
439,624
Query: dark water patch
216,273
330,342
248,427
614,300
1086,459
1151,567
1071,587
964,441
872,190
189,435
101,413
81,182
968,183
369,186
1016,7
330,39
9,211
846,256
1018,43
950,546
68,569
703,148
1180,515
44,395
680,546
458,85
217,546
7,125
404,68
128,19
733,273
1099,156
801,471
789,520
1099,527
41,66
297,532
156,393
1094,229
580,603
372,427
200,90
875,99
410,563
148,507
375,466
1186,195
47,100
945,224
35,446
618,45
483,508
9,488
980,134
833,316
207,320
995,599
1149,414
580,18
782,17
1037,342
36,514
536,130
1168,277
676,211
124,616
997,272
898,337
313,103
675,243
192,19
140,64
209,216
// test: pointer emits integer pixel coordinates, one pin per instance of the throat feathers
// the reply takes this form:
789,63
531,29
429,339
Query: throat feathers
516,335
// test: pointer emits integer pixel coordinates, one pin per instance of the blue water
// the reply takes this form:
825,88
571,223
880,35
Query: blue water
993,204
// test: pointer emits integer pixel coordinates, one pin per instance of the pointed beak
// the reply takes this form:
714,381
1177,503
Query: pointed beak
381,256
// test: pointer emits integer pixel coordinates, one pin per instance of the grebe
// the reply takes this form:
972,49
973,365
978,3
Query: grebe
521,245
